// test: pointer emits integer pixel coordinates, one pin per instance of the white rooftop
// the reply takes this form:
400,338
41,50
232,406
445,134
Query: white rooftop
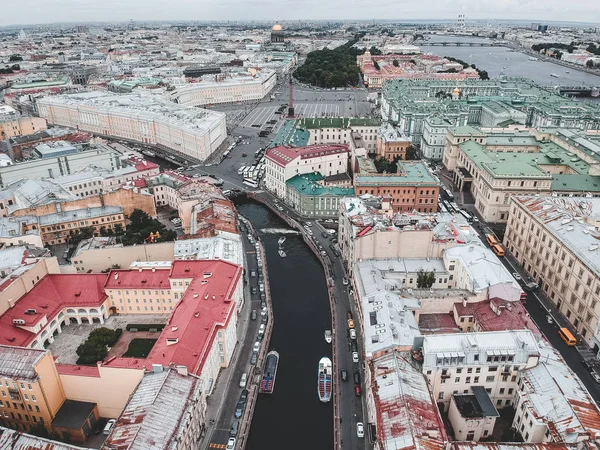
144,106
79,214
482,266
225,246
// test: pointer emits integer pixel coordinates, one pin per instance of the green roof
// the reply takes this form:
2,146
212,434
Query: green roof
576,183
467,130
288,134
308,184
410,173
336,122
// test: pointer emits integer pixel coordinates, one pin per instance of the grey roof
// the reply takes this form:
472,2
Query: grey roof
11,227
11,257
73,414
18,362
79,214
485,403
27,193
155,412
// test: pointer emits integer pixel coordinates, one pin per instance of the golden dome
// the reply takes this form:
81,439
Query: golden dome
456,91
276,27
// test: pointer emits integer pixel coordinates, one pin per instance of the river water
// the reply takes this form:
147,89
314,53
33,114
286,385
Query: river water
292,417
500,61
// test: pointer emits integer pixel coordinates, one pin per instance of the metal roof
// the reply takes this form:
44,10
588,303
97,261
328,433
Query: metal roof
18,362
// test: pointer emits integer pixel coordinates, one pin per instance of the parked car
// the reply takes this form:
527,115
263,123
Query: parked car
360,430
243,380
357,390
350,323
253,273
352,333
353,346
239,409
256,347
344,374
109,425
235,426
356,376
254,290
516,276
230,444
355,357
344,280
244,396
349,315
253,358
324,234
253,314
596,377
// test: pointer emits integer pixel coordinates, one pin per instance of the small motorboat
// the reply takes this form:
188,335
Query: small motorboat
549,318
282,253
328,336
281,240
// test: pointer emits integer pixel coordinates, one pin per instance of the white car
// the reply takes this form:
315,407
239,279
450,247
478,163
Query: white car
516,276
360,430
345,281
256,347
596,377
109,426
230,444
243,380
355,357
352,333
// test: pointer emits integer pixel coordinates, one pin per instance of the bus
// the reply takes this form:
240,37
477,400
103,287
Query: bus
566,336
498,250
466,215
446,203
491,240
442,208
251,183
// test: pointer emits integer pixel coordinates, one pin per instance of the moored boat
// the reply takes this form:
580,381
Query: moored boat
281,240
328,336
267,383
325,379
282,253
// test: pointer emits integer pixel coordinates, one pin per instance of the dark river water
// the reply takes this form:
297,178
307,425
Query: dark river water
292,418
500,61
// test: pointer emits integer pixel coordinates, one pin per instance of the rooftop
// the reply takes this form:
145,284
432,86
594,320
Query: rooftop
308,184
409,173
477,404
145,105
573,221
15,440
225,246
283,155
73,414
79,214
336,122
18,362
155,413
407,415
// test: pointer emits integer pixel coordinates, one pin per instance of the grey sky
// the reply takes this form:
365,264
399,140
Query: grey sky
46,11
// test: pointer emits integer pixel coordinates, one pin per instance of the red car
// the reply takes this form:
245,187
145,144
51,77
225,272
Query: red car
357,390
244,154
349,315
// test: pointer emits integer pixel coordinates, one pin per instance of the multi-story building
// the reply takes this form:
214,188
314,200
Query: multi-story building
391,144
411,188
497,165
367,232
226,88
11,126
453,363
145,118
340,131
554,240
284,163
433,140
411,102
168,400
311,195
32,393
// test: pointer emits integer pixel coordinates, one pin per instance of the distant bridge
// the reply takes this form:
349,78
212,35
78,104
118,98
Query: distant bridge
579,90
464,44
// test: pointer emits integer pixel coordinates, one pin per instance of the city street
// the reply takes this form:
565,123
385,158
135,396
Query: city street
223,401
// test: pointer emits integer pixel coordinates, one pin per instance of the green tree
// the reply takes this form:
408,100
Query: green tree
103,336
425,279
411,153
381,164
375,51
15,58
395,63
589,63
139,220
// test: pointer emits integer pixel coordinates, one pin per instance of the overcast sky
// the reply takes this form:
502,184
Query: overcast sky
48,11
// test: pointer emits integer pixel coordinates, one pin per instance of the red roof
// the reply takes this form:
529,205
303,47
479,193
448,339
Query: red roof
142,165
497,314
81,371
138,279
51,294
205,308
283,155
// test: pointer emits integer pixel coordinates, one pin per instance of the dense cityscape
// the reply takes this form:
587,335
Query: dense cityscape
300,234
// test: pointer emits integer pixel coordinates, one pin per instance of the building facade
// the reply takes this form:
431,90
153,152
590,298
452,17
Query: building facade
182,131
20,126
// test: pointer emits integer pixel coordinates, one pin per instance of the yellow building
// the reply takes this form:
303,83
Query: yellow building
31,392
20,126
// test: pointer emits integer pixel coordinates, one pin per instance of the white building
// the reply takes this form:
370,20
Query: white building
254,85
283,163
433,139
145,118
453,363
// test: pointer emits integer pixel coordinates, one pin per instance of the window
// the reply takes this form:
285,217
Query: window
490,379
441,396
457,380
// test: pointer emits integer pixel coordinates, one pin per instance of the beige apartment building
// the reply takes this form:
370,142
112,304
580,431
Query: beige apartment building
31,391
494,166
20,126
554,239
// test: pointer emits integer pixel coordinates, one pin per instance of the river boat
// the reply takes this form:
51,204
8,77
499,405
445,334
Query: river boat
267,383
149,153
282,253
325,379
328,336
532,58
281,240
554,75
